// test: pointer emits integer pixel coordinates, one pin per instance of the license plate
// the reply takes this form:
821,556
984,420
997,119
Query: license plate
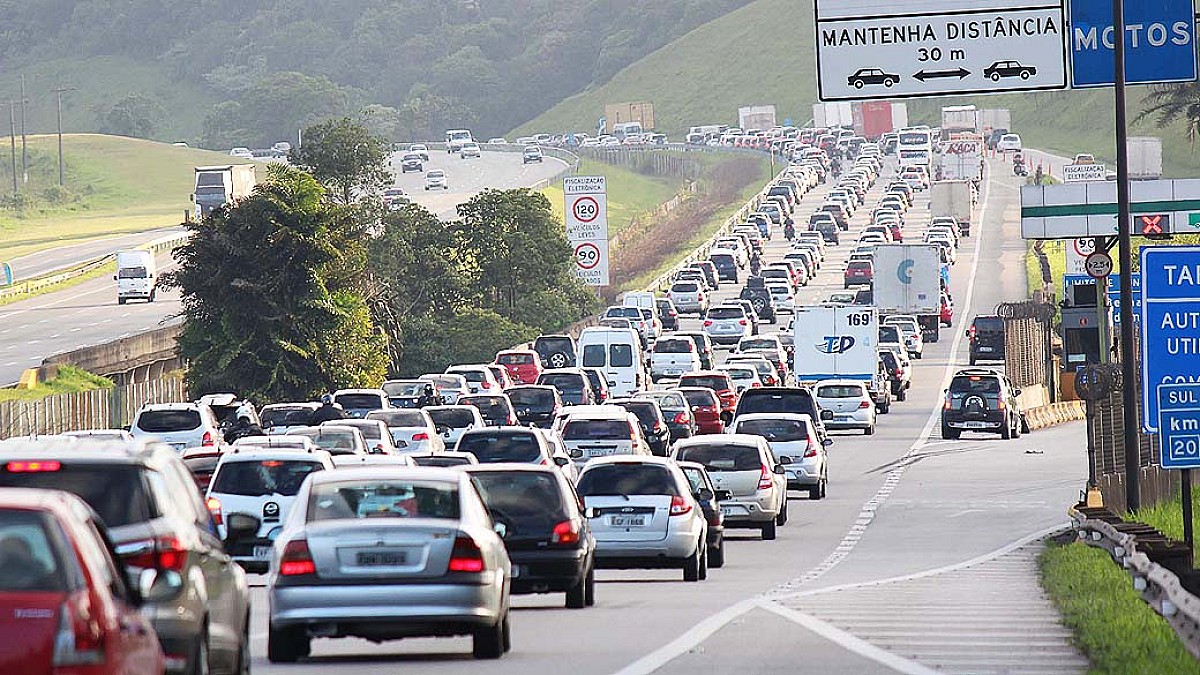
381,558
599,452
262,552
734,510
974,425
842,418
674,371
985,349
627,521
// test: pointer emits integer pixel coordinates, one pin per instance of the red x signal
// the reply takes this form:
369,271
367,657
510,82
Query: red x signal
1155,226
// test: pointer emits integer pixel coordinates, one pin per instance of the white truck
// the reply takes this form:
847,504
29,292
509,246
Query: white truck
833,115
953,199
991,119
908,280
1145,157
958,118
836,342
137,276
756,117
217,186
961,157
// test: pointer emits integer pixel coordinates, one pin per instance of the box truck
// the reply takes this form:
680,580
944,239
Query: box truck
958,118
961,157
624,113
953,199
760,117
873,119
136,277
1145,157
836,341
217,186
908,280
826,115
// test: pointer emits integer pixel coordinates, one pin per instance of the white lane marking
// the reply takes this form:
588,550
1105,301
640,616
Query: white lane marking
849,642
682,644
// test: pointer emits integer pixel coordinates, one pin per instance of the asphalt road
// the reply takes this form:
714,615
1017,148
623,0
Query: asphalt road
901,502
88,314
62,257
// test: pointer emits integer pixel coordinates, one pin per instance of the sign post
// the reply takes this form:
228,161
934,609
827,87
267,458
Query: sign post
1179,436
586,220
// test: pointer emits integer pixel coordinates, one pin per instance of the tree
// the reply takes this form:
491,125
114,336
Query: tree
134,115
273,109
345,157
1175,102
271,294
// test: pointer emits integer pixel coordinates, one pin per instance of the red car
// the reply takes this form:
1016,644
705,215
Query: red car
65,606
524,366
721,384
706,409
947,317
859,273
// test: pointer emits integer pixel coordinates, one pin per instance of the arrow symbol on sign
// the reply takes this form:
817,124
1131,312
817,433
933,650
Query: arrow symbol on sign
923,75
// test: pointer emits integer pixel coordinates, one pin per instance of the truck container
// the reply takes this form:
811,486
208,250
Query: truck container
621,113
1145,157
836,341
760,117
827,115
958,118
953,199
990,119
137,276
961,157
217,186
908,279
873,119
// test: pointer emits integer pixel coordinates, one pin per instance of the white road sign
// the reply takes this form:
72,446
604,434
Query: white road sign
1083,173
883,49
1099,265
1077,252
586,211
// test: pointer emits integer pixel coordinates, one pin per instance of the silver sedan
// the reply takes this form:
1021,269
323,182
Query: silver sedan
386,553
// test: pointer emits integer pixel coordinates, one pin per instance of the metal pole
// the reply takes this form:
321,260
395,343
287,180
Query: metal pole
24,154
1129,389
12,137
1185,480
58,93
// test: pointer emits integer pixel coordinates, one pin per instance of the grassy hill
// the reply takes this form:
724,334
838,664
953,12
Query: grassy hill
763,53
113,185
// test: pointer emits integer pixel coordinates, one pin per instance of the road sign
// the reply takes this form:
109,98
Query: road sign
1114,298
1082,173
1099,265
1170,322
1160,42
586,211
1090,209
882,49
1076,252
1179,425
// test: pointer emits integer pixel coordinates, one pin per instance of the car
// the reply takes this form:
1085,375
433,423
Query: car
706,409
744,465
1009,143
334,440
531,153
496,409
500,373
652,420
436,179
675,411
859,273
242,153
709,498
768,346
727,324
180,425
573,385
412,162
672,357
726,264
603,431
509,445
548,539
536,405
1000,69
768,372
67,603
668,314
498,140
783,400
643,515
556,351
986,336
159,524
983,400
469,150
279,442
599,382
704,347
421,150
450,386
200,463
721,385
394,198
447,459
412,430
411,394
434,565
278,418
262,482
851,403
872,76
782,297
841,298
793,440
375,432
899,369
759,296
452,421
910,331
744,376
358,402
479,377
523,365
101,434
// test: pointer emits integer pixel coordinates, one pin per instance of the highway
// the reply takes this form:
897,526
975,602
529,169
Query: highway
63,257
87,314
922,557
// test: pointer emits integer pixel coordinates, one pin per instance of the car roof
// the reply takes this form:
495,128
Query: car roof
250,454
426,473
628,459
138,451
721,439
774,416
60,502
507,467
841,382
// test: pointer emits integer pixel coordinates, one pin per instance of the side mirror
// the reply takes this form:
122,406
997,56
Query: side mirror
157,585
779,469
705,495
826,415
785,459
827,442
241,526
561,461
722,495
575,453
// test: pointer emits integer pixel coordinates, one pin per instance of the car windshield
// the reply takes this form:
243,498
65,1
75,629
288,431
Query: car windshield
29,562
286,417
332,440
674,346
840,391
974,384
116,492
717,457
594,430
165,421
700,397
627,479
398,418
491,408
357,500
262,478
492,448
455,418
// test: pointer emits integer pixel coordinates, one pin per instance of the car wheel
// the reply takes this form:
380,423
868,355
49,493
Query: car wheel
858,84
995,77
824,488
888,82
120,301
902,395
1024,74
869,431
919,355
885,408
488,642
507,634
949,434
768,530
703,559
1017,428
287,645
716,556
972,359
782,517
577,595
1024,424
558,360
691,565
591,587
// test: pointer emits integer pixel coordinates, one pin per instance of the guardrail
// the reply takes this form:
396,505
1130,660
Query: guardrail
1160,587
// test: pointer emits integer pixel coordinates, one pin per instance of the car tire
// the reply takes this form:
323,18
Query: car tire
781,518
287,645
995,77
1024,74
488,642
949,434
1024,424
703,548
858,84
120,301
888,82
577,595
885,408
869,431
1017,427
1006,431
972,359
557,360
919,355
768,531
691,565
716,556
902,395
591,587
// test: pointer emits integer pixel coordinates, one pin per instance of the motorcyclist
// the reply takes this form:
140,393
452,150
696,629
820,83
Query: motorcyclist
789,231
243,427
328,411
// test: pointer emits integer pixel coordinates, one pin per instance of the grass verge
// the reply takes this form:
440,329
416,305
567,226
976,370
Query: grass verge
69,380
1167,516
1117,631
629,192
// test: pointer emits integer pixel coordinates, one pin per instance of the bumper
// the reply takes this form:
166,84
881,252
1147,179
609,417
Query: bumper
854,422
727,338
667,552
547,571
989,424
747,513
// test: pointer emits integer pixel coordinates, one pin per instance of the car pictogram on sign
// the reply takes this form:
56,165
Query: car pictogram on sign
1001,69
866,76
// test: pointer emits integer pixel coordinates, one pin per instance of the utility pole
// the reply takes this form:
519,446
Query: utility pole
24,154
12,137
58,94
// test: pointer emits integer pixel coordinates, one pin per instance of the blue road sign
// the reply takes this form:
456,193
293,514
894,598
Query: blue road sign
1114,297
1160,42
1170,322
1179,425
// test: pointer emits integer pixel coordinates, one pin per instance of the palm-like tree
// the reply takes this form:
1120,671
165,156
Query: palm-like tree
1172,103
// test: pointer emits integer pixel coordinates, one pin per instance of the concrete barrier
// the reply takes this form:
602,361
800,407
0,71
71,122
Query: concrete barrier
136,358
1054,414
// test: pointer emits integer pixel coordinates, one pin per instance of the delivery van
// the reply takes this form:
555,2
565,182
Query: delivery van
136,276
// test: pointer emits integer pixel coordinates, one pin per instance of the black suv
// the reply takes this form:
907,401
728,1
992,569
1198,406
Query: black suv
798,400
198,602
557,351
654,423
759,295
535,404
987,339
981,399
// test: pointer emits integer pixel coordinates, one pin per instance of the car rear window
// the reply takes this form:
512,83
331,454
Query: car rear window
163,421
726,313
722,259
549,345
989,324
360,400
645,412
116,492
472,375
593,430
534,399
685,288
455,419
775,431
404,388
723,457
492,448
562,381
620,355
262,478
667,401
758,344
714,382
889,334
28,559
840,391
398,418
525,501
974,384
626,479
674,346
859,265
698,397
441,460
357,500
287,417
515,359
490,407
333,441
444,381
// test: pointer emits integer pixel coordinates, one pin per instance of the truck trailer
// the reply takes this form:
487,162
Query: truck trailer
217,186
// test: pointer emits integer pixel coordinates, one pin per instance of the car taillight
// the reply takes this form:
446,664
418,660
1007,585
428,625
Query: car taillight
511,421
32,467
899,372
214,508
163,553
466,556
863,405
79,640
681,418
707,323
565,533
811,450
1000,405
946,404
421,436
486,385
680,506
296,560
207,439
742,322
765,482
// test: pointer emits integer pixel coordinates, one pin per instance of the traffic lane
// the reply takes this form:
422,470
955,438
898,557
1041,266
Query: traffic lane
466,177
70,255
86,314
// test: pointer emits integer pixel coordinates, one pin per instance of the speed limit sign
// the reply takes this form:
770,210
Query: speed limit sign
586,223
586,209
587,255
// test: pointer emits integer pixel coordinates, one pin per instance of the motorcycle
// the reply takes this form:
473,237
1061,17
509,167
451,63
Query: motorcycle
1020,169
789,232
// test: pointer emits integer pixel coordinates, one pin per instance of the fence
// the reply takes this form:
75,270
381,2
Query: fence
98,409
651,162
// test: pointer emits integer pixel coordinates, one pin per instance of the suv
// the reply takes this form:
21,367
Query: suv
531,153
980,399
412,162
783,400
759,295
180,425
746,466
987,339
158,521
556,351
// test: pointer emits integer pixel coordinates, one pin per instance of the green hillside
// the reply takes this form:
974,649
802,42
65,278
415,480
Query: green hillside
763,53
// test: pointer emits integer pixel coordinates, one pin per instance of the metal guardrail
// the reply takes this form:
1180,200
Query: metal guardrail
1158,586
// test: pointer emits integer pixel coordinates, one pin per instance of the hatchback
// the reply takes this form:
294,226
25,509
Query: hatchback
180,425
986,335
496,409
480,379
386,553
859,273
688,296
726,265
643,515
523,366
706,409
793,440
536,404
602,432
572,384
412,430
722,386
436,179
744,465
359,402
849,401
726,324
675,410
500,445
708,497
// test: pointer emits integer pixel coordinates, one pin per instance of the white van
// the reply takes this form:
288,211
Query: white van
137,276
618,353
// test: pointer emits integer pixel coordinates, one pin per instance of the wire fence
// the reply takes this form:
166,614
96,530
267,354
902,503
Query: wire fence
112,408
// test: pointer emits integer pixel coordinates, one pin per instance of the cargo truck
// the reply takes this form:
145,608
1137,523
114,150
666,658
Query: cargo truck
136,277
217,186
828,115
761,117
958,118
624,113
836,342
961,157
908,280
1145,157
953,199
873,119
991,119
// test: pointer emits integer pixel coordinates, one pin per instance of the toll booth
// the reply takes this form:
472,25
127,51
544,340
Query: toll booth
1081,329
